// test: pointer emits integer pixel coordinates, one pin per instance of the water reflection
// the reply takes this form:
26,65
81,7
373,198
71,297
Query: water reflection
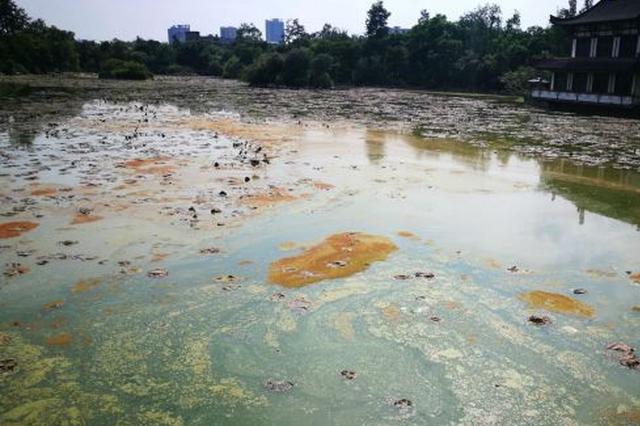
606,191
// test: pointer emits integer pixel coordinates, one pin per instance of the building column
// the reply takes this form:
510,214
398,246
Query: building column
594,47
553,82
569,82
574,47
590,82
612,83
616,47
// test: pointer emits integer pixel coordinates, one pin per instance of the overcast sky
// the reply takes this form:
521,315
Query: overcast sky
126,19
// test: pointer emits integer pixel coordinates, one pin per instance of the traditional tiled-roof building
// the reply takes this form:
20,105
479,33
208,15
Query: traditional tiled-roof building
603,67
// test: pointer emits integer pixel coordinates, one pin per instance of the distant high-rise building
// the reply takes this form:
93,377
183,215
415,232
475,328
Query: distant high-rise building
228,34
275,31
192,36
178,33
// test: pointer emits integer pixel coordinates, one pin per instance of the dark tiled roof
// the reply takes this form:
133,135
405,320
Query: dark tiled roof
604,11
589,64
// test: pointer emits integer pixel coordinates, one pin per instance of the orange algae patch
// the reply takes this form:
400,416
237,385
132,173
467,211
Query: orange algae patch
44,192
391,312
81,219
16,229
84,286
150,165
407,234
338,256
270,198
267,134
323,186
556,303
60,340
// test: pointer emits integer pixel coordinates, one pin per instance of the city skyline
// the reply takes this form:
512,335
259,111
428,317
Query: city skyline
97,20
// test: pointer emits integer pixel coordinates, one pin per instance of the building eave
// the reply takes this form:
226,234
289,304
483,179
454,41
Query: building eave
589,64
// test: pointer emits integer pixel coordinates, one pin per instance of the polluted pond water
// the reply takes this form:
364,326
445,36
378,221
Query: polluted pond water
175,253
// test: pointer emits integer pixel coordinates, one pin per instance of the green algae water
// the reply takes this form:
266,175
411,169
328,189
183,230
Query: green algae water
142,295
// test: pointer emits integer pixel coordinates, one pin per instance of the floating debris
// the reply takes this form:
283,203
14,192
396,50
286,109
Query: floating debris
158,273
402,277
348,375
556,303
299,305
425,275
15,229
403,404
15,269
210,250
627,356
539,320
357,250
226,278
56,304
278,385
8,365
277,297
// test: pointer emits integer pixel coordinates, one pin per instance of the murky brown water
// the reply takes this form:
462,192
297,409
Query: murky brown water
197,252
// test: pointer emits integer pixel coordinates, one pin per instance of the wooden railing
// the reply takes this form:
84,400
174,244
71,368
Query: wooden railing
585,98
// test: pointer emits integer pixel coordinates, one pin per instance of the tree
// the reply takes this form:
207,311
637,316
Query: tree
488,16
266,70
233,68
320,71
573,7
513,23
396,60
296,68
588,4
294,32
517,82
329,32
248,32
424,17
13,19
377,18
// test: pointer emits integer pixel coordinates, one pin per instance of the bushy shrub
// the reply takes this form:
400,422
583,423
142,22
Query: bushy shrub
233,68
321,67
176,69
296,68
124,70
517,82
266,70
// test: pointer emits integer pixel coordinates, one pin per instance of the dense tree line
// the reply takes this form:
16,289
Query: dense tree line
482,51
